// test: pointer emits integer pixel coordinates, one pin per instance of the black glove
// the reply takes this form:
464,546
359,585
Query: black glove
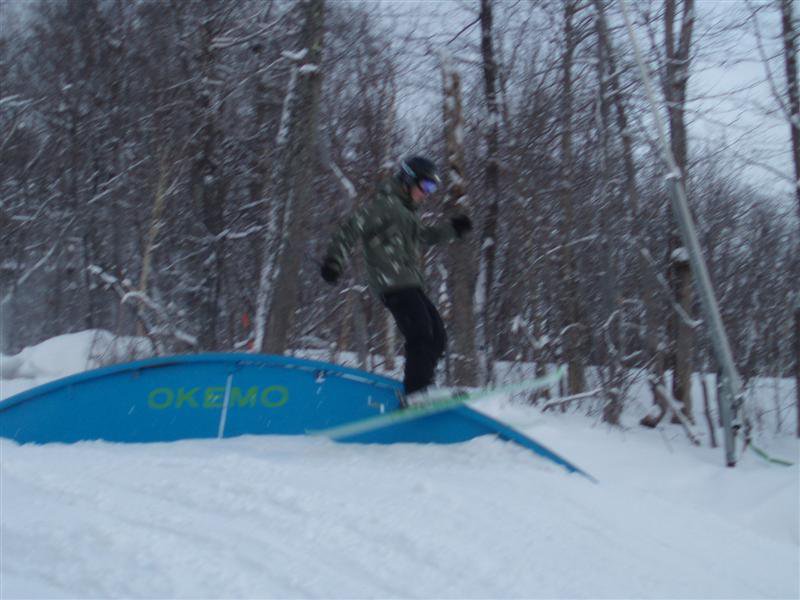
330,270
462,224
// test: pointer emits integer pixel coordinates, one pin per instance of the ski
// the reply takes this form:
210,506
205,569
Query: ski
439,402
770,459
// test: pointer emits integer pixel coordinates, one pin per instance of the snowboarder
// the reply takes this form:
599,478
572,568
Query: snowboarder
391,234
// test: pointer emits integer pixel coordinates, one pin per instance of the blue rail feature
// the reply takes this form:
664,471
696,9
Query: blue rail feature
227,395
196,396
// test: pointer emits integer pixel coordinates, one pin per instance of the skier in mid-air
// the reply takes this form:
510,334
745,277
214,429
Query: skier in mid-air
391,234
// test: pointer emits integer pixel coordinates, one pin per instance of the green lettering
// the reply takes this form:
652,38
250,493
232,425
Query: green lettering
281,391
153,398
213,397
249,400
161,398
186,396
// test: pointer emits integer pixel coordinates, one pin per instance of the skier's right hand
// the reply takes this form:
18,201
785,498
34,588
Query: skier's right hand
462,225
330,270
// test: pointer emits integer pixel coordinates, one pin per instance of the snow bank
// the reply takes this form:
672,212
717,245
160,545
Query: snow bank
66,355
277,517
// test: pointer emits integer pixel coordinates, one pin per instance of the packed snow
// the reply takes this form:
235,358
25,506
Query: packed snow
301,517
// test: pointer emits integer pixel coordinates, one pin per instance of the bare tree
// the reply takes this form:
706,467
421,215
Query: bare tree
797,357
789,31
653,352
206,178
484,301
793,92
297,177
677,49
677,61
572,324
460,269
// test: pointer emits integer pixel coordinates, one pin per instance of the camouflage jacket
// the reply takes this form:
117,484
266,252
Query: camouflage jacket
392,235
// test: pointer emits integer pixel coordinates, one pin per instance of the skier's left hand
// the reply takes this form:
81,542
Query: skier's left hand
462,224
330,270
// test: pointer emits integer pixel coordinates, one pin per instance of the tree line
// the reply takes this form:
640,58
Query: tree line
174,170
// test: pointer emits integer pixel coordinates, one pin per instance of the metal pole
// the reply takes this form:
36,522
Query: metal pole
223,418
731,383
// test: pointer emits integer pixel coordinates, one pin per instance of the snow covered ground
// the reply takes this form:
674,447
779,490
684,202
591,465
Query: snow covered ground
293,517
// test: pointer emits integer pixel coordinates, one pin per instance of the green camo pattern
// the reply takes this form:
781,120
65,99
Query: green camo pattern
392,237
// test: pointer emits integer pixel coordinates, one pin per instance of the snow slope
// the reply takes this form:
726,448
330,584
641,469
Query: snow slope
291,517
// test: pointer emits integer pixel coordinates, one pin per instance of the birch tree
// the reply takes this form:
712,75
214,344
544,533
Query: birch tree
297,177
484,291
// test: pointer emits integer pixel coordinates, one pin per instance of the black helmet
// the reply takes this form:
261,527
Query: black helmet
415,169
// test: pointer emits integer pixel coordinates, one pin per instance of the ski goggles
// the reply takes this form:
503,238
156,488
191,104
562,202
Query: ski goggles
428,186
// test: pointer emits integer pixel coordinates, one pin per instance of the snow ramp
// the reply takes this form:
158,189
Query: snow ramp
227,395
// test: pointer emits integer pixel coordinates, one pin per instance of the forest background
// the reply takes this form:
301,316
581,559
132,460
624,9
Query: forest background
175,170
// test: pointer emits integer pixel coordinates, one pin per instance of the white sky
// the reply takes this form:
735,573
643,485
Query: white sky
739,107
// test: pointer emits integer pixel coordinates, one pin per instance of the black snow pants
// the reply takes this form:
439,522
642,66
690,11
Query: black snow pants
423,330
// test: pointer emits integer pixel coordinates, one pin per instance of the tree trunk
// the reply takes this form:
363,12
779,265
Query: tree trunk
682,380
389,339
610,352
707,411
678,57
572,330
483,299
156,224
460,270
388,328
360,304
797,357
273,240
790,60
299,168
207,194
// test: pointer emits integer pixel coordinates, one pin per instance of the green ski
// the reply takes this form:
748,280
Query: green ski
439,402
767,457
